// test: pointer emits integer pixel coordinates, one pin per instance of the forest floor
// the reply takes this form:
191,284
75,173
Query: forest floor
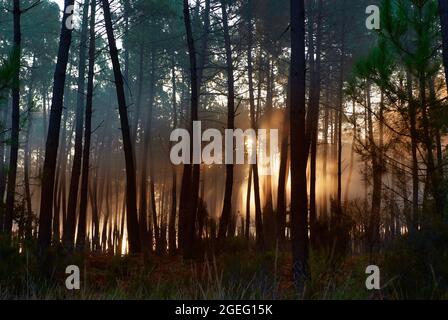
242,275
411,268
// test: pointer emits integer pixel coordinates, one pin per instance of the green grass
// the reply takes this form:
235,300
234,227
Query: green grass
411,268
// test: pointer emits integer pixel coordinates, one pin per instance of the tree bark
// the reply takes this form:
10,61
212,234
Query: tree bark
52,144
27,151
227,206
70,223
247,220
314,110
414,146
189,189
374,221
15,123
143,222
299,198
3,168
131,205
81,237
172,219
253,121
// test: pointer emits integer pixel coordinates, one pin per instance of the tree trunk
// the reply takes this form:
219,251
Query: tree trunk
299,198
52,144
374,223
15,123
247,221
81,237
59,184
139,93
352,158
131,205
3,168
314,110
227,206
433,174
189,189
414,150
270,228
340,115
27,153
172,219
70,223
143,222
253,120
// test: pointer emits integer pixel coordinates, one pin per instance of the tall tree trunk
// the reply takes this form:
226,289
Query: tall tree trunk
284,152
59,184
203,55
414,146
352,157
253,122
202,60
187,205
227,206
70,223
340,115
15,123
139,92
326,126
143,222
131,205
172,219
126,11
433,174
81,236
374,221
27,155
299,198
313,120
52,144
270,228
247,220
3,168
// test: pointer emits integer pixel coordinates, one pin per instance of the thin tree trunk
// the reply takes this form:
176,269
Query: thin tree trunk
172,219
284,153
70,223
139,93
52,144
313,125
247,221
131,205
3,168
60,176
433,174
81,237
26,162
143,222
253,120
374,227
414,147
340,115
352,158
227,206
15,123
270,228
